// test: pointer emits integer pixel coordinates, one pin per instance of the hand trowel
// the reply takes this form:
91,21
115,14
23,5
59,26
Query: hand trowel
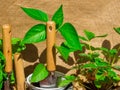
51,67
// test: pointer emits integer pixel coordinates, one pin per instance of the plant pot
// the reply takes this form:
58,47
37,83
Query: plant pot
33,87
78,86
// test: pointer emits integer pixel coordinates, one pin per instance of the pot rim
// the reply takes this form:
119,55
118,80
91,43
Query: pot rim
32,86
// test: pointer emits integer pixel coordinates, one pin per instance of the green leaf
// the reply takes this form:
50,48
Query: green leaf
89,47
1,80
15,40
17,46
116,67
36,14
113,52
83,38
64,51
70,77
36,34
117,30
70,35
1,85
40,73
116,78
95,54
111,73
1,42
104,49
12,78
58,17
2,73
84,55
63,81
89,35
2,56
98,84
100,63
90,65
100,76
65,44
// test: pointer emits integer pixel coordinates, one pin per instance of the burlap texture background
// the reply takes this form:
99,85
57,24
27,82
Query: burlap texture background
99,16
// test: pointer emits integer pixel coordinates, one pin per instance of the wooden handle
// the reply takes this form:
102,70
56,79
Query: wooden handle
51,33
7,47
19,71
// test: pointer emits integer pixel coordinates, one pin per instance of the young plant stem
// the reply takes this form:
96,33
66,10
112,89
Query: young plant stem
110,87
113,61
90,47
76,65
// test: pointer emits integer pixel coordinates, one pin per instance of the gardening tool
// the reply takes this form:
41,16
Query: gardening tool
51,32
19,72
7,50
51,67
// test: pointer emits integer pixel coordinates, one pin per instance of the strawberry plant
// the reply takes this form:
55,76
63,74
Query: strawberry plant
98,67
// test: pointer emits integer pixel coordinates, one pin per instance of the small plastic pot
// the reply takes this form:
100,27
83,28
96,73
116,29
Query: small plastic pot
32,87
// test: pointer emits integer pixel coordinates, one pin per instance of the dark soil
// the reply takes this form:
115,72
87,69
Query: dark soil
94,88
